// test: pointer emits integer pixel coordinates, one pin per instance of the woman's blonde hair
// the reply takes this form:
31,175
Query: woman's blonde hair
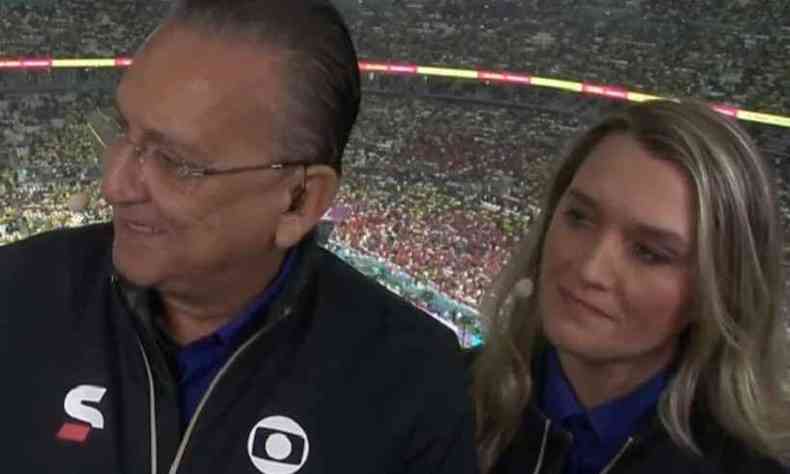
733,358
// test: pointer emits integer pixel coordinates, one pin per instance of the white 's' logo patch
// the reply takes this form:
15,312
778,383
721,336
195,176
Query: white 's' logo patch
88,417
76,408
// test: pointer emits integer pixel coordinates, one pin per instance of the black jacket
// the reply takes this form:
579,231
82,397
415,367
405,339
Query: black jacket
541,447
342,377
649,451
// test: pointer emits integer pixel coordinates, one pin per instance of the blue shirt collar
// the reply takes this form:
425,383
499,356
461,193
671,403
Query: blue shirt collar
614,419
199,362
230,332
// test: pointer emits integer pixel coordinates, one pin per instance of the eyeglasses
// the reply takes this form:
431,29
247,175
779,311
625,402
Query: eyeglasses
164,163
181,169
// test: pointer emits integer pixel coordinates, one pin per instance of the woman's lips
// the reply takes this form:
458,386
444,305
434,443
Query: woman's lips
571,297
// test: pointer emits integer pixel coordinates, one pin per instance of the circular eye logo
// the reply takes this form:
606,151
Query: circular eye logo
278,445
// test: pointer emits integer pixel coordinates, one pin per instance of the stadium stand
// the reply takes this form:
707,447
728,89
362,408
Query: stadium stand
443,174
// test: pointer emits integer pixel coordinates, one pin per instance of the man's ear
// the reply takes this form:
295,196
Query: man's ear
310,200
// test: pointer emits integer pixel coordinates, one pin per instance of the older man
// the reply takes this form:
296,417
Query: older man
204,331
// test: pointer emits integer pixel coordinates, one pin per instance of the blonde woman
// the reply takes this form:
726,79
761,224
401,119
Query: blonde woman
637,329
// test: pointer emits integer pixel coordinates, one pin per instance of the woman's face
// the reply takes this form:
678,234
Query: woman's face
615,277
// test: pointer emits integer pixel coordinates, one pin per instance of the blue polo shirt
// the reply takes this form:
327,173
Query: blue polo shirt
200,361
598,434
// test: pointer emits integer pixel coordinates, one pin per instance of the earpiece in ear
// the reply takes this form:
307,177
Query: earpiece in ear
297,196
523,288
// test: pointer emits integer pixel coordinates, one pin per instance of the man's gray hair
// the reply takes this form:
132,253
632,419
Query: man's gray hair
320,67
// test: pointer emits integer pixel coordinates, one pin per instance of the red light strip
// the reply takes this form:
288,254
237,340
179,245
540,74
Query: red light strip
613,92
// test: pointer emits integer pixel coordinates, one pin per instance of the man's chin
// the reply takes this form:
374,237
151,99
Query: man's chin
134,270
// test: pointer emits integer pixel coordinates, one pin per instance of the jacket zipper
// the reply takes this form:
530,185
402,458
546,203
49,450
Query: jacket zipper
185,440
618,456
605,470
151,405
152,394
539,465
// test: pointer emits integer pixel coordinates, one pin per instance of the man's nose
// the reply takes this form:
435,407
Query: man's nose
122,178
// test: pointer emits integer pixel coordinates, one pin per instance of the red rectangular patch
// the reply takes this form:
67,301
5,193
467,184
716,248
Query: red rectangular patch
74,432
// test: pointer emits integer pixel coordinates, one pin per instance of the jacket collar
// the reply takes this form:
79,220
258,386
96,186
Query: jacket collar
144,306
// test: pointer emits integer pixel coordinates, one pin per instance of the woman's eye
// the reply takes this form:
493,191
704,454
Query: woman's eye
650,256
575,216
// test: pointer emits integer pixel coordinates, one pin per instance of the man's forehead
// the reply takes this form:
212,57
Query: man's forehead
204,93
200,60
185,70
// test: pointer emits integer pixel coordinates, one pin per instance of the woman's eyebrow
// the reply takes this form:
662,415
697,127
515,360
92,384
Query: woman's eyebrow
582,197
664,234
669,236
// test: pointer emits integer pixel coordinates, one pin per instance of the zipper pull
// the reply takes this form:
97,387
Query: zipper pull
619,455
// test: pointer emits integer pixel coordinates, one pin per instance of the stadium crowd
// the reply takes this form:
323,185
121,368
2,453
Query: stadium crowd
438,200
738,55
69,28
739,52
440,189
52,157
